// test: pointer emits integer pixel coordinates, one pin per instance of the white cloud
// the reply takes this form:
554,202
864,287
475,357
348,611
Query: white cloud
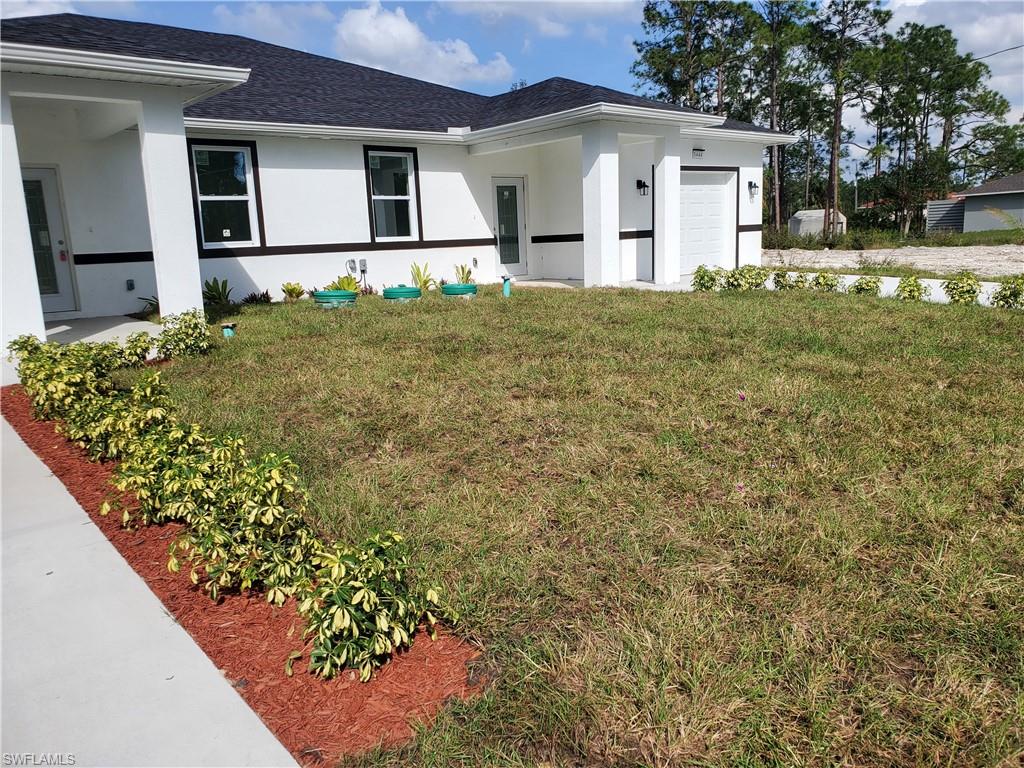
288,24
550,19
11,9
378,37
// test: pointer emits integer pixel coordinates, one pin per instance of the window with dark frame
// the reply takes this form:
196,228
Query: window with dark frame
225,195
392,187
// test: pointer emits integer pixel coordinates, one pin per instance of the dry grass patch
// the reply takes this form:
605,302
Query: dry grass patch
826,571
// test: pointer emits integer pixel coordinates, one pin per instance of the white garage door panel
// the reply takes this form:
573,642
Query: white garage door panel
704,219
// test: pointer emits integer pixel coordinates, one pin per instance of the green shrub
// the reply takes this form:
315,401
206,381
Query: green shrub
343,283
216,292
745,278
962,288
421,277
866,285
1010,294
184,335
463,274
801,280
826,281
357,608
244,518
912,289
137,348
705,279
292,291
781,281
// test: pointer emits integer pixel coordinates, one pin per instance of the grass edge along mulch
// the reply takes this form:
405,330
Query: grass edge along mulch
249,640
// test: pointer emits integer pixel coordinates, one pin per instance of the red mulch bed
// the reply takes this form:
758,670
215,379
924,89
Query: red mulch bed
249,640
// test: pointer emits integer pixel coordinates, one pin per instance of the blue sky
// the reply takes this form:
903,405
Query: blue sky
486,46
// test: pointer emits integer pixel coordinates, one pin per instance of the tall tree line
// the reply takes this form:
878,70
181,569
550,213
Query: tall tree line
803,67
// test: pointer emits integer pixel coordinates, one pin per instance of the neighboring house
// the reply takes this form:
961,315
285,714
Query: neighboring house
1005,195
812,222
139,160
996,204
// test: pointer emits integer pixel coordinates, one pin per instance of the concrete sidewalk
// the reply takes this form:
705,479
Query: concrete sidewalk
93,666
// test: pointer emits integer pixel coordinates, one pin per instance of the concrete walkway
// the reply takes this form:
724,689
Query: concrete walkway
93,666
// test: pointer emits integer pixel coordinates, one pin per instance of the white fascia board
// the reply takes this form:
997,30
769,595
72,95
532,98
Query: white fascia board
986,194
212,125
601,110
42,59
749,137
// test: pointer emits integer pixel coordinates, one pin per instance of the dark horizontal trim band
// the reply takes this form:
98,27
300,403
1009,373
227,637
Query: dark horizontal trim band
576,237
749,228
391,245
123,257
709,168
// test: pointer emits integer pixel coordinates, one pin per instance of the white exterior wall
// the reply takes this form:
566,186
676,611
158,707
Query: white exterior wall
314,193
748,158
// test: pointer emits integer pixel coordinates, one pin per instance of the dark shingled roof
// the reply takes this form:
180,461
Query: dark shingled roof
1014,183
288,86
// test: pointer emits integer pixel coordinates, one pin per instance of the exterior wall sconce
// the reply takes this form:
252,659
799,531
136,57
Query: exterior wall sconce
697,153
643,187
752,187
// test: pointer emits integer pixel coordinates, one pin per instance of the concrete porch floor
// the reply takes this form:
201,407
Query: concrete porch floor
114,328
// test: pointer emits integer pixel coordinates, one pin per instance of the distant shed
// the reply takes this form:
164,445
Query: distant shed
812,222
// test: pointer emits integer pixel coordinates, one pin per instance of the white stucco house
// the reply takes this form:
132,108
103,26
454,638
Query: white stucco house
139,160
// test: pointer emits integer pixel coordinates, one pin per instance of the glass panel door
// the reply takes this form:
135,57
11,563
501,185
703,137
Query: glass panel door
39,228
510,225
49,247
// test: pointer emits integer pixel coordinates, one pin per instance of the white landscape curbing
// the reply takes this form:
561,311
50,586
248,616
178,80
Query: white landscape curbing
888,287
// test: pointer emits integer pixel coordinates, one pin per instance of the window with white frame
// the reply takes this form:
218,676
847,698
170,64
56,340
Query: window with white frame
227,201
392,195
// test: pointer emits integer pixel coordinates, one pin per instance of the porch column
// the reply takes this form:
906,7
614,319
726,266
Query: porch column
169,202
666,208
601,260
22,305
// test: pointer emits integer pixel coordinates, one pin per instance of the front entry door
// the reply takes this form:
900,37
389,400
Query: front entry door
49,241
510,225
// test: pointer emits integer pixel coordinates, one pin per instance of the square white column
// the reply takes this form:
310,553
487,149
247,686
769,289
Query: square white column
169,202
601,260
666,208
22,304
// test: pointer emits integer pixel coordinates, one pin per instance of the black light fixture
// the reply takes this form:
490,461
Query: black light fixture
643,187
752,187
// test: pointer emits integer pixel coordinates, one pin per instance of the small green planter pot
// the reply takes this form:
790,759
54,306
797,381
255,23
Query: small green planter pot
459,290
400,294
335,299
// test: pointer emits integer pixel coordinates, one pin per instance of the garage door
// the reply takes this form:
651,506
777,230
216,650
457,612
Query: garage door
706,219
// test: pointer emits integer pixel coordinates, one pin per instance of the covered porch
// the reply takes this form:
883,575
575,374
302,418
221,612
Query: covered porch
96,195
601,202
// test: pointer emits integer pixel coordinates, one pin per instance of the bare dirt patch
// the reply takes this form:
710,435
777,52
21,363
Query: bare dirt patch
249,640
985,260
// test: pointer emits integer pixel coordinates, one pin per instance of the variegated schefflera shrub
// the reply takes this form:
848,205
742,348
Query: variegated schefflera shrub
243,517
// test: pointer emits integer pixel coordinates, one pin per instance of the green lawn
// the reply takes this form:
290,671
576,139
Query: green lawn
827,571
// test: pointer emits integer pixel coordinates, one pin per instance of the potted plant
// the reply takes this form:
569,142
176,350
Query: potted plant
464,286
343,292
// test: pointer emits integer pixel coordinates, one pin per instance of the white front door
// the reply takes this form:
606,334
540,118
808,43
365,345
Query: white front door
510,225
49,240
706,220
